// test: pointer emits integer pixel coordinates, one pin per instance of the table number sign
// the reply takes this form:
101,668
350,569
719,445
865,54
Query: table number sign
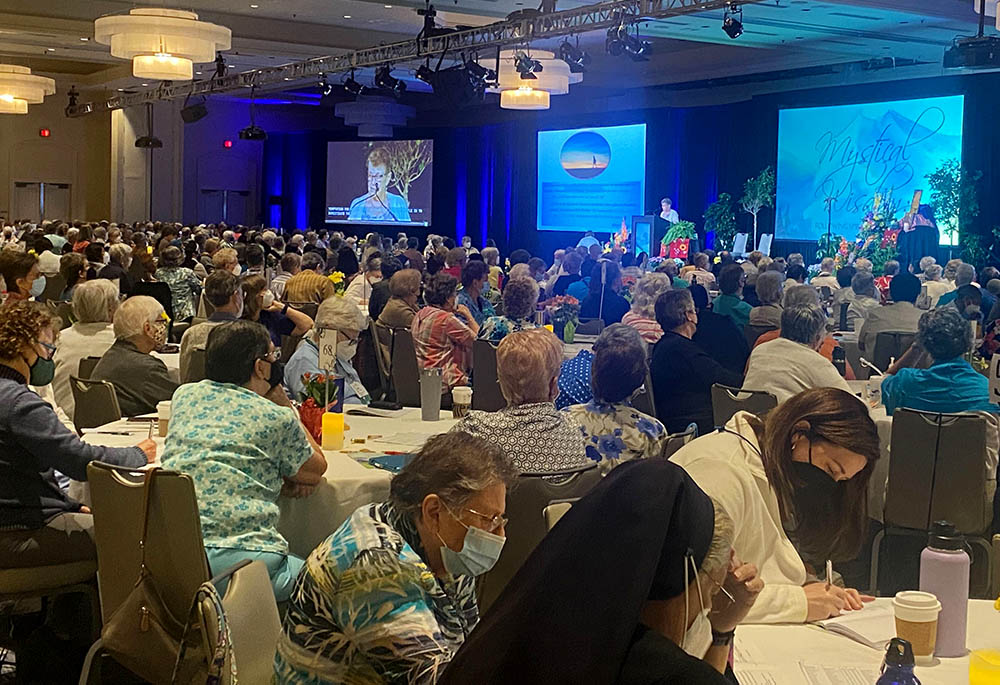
327,349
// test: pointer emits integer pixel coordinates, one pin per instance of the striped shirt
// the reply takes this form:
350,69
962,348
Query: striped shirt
648,328
308,286
444,342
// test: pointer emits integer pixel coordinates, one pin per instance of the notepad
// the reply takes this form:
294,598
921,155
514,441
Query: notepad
872,626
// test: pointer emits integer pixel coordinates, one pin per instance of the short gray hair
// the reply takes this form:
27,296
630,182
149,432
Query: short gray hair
933,271
965,274
803,323
863,264
944,333
672,308
863,283
891,268
491,255
926,262
340,314
619,365
95,301
454,466
120,253
520,296
800,294
769,287
646,292
951,267
312,260
796,258
826,266
134,314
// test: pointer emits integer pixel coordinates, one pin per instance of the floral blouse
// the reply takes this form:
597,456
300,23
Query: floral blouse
367,609
616,433
496,328
184,290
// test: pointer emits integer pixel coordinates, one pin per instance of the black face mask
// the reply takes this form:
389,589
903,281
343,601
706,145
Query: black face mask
277,374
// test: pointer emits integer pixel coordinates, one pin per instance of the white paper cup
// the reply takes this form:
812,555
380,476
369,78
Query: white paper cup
461,401
916,621
163,417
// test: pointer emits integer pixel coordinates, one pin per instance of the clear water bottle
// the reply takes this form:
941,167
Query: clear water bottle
897,669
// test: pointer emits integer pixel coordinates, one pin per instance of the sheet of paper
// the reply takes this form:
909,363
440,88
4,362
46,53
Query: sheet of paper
761,675
406,439
817,674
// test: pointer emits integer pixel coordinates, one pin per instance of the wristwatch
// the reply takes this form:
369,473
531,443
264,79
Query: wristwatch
722,639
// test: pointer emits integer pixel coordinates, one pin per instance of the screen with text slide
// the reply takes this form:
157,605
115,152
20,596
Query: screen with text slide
589,179
379,182
851,153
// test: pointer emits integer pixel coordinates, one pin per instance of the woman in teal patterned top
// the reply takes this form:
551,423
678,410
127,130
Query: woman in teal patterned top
519,300
390,596
241,442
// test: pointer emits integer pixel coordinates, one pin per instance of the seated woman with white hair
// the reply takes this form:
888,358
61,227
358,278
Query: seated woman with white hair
94,307
792,363
140,379
535,436
117,269
642,315
770,287
340,315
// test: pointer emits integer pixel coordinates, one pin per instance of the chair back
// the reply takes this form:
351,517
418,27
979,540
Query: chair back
64,310
383,344
675,441
764,245
555,511
175,555
645,400
752,332
740,244
54,286
195,370
486,394
405,371
159,292
842,319
825,293
251,614
938,471
95,403
307,308
526,503
727,401
890,345
590,327
85,368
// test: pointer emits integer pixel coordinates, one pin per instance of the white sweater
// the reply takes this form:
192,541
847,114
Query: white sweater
785,368
731,472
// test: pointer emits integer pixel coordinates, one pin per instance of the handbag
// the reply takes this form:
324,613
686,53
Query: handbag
142,634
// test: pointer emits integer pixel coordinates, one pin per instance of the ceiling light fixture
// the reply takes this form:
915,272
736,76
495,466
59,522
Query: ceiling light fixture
20,88
162,43
527,67
620,41
374,115
194,112
386,81
732,22
574,57
149,141
353,87
524,98
50,49
253,132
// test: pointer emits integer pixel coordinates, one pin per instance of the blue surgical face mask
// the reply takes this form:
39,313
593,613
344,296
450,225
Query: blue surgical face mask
38,286
479,554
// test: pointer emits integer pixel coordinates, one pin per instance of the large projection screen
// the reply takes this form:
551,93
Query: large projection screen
386,182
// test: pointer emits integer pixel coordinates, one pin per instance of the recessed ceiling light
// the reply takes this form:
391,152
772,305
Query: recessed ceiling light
198,73
50,49
388,7
347,16
144,84
84,39
121,90
288,78
253,7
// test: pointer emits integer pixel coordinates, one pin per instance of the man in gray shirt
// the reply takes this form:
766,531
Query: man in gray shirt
222,290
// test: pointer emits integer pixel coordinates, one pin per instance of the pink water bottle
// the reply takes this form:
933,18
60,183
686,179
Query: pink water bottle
944,572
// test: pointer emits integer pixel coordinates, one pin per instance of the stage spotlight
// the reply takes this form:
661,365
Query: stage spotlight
425,74
526,66
148,142
352,86
253,132
384,80
195,112
732,23
621,42
577,59
220,65
325,86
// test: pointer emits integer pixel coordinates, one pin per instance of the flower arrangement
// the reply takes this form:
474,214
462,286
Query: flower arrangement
339,282
563,309
681,229
878,233
315,388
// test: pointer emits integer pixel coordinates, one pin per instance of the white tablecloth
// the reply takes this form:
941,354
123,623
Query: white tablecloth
880,475
773,654
173,362
348,483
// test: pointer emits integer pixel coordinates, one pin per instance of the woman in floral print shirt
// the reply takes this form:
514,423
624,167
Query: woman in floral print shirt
613,431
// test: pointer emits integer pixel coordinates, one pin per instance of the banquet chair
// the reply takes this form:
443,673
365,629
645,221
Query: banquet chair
251,615
842,317
381,355
825,293
526,503
486,395
726,401
555,511
161,293
890,345
644,400
307,308
675,441
54,287
405,370
86,367
939,470
590,327
289,343
195,370
752,332
95,403
64,310
386,338
175,554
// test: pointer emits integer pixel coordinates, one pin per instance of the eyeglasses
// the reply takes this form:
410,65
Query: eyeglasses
495,522
273,356
51,349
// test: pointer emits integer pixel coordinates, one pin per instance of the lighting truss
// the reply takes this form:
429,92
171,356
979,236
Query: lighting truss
512,32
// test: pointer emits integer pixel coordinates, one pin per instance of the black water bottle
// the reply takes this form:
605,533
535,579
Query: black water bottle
840,361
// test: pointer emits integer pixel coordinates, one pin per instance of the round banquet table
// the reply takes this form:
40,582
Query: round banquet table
349,481
810,655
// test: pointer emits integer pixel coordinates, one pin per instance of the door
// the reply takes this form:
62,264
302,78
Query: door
27,201
237,207
211,206
55,201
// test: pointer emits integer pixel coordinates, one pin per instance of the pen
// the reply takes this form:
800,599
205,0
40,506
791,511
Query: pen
829,574
150,435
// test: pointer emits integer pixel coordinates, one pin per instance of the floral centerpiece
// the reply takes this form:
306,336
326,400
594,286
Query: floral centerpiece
322,393
562,309
339,282
677,240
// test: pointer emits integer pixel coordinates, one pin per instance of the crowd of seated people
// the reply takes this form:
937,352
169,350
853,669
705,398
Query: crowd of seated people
760,502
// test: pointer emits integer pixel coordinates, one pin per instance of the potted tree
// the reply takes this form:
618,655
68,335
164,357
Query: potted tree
758,193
